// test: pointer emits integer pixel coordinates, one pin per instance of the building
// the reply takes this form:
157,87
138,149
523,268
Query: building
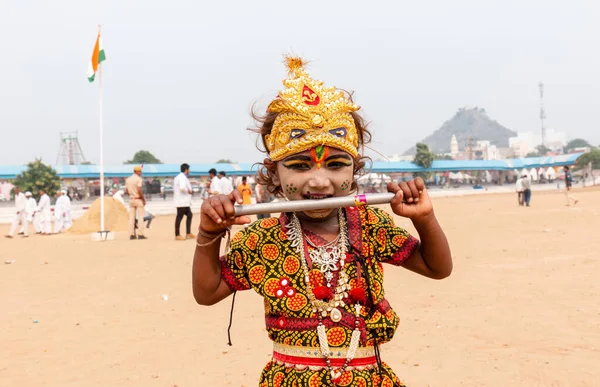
481,150
526,142
484,150
454,147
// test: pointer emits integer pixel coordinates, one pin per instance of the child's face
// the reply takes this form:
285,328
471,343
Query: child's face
318,173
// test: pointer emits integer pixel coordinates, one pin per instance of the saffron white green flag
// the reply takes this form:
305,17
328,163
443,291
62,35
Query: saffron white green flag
97,58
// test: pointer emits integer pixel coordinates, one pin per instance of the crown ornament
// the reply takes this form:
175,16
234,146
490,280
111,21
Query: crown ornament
310,114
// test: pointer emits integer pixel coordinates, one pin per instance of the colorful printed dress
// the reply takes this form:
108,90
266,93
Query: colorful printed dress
261,256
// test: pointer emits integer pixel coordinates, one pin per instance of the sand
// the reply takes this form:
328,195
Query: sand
522,307
116,218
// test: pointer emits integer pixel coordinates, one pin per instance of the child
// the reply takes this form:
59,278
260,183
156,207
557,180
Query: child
320,272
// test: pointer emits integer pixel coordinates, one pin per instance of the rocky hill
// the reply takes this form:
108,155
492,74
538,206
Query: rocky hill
467,122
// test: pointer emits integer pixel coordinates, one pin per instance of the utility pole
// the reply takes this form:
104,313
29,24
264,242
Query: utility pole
542,113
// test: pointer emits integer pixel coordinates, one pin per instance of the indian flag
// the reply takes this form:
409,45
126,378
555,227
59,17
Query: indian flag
97,57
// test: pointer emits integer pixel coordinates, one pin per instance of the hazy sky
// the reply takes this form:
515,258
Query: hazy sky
181,76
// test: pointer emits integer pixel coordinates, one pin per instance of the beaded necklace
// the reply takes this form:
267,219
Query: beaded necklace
322,300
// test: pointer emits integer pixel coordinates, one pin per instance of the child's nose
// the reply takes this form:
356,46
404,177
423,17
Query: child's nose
319,182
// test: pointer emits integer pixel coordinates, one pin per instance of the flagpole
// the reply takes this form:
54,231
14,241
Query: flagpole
101,141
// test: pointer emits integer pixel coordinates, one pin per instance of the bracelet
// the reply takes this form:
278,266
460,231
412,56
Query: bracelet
208,235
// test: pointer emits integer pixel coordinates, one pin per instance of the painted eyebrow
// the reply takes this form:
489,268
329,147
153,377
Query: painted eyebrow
339,156
297,158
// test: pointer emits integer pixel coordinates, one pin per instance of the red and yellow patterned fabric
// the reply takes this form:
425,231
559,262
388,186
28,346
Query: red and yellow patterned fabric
261,256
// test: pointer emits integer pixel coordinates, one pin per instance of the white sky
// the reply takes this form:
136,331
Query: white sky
180,76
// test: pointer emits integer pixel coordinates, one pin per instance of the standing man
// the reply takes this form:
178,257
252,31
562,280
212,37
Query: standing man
59,213
225,183
526,182
519,188
568,184
134,185
30,211
262,196
246,191
19,217
67,204
182,196
44,213
214,184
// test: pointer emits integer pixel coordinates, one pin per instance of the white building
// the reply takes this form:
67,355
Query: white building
484,150
454,147
526,142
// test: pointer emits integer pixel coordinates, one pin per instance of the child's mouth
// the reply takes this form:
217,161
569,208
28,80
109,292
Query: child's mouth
314,196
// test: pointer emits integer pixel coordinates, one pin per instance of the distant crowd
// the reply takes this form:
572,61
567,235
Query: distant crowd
40,214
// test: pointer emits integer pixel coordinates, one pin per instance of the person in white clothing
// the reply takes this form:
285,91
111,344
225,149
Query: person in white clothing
44,215
225,183
214,185
519,189
20,216
60,212
117,194
68,218
182,197
30,212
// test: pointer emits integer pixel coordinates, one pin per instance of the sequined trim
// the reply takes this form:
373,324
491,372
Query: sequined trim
310,357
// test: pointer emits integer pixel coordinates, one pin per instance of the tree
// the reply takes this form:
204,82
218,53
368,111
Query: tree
38,176
593,156
542,150
143,157
443,157
225,161
423,158
576,143
87,163
532,154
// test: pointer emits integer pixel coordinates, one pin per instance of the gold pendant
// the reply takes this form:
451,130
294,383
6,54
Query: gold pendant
335,315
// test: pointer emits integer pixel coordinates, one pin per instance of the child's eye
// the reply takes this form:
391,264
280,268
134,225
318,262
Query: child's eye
338,164
297,166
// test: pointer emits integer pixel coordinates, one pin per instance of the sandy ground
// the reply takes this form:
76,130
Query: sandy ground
522,307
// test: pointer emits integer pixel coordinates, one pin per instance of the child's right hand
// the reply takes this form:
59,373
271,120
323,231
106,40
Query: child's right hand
217,212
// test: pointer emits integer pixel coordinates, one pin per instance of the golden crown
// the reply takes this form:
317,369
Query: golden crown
310,114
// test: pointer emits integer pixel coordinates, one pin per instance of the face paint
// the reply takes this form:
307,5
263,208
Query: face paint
290,188
345,185
319,154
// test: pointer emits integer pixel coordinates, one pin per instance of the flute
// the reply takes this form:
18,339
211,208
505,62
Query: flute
313,204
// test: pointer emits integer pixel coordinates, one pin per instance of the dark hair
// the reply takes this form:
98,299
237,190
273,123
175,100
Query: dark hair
184,167
244,179
567,167
222,173
268,168
212,171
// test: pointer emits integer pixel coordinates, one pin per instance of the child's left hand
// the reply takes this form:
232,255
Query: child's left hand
412,200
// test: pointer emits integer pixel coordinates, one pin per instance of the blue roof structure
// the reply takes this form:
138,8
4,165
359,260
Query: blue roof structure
169,170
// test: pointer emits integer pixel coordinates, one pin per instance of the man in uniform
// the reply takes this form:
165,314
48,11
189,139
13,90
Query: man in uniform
134,184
